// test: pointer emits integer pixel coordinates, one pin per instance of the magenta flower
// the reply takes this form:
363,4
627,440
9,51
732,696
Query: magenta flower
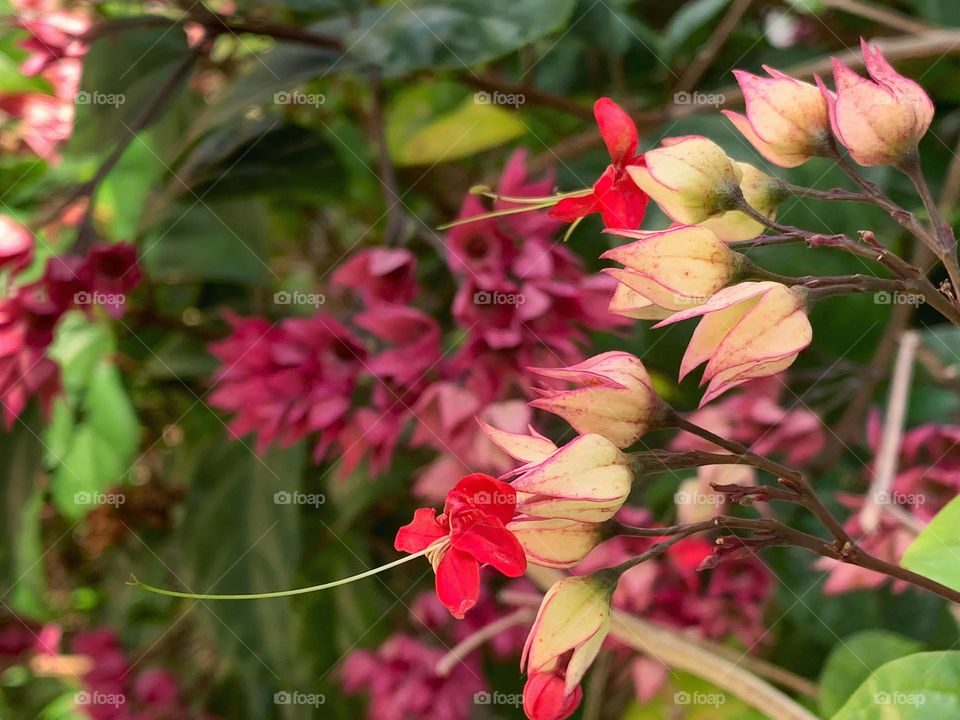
402,682
379,275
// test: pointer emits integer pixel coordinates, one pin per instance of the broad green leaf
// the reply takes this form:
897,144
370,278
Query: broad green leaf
922,686
936,551
121,74
853,659
471,128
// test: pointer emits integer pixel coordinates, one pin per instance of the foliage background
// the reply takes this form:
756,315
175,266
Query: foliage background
233,196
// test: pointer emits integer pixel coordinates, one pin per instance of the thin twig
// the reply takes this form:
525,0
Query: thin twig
701,63
886,464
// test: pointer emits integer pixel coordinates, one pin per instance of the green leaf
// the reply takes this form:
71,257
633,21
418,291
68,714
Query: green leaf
121,74
418,34
922,686
232,248
472,127
853,659
236,539
692,17
20,500
936,551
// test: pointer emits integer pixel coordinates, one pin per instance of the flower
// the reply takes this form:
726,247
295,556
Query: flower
380,275
750,330
570,627
616,398
786,121
880,121
545,698
16,245
588,479
690,178
671,269
469,532
761,192
619,201
555,542
403,683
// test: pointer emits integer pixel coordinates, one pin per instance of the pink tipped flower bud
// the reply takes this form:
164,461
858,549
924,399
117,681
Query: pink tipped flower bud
674,269
786,121
762,192
615,398
879,121
750,330
556,542
690,178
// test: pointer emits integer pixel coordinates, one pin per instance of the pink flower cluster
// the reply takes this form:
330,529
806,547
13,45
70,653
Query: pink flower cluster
356,384
928,477
401,676
29,312
55,53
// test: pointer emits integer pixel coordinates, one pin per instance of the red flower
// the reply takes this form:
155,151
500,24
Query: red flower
619,201
470,532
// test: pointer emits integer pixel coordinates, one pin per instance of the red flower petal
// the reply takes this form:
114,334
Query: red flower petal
420,533
544,698
618,131
487,540
623,206
574,208
484,493
458,582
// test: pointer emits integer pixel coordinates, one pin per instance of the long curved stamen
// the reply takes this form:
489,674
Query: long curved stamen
528,204
281,593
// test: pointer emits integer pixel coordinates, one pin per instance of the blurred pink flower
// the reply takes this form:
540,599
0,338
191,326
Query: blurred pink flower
402,682
379,275
287,380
